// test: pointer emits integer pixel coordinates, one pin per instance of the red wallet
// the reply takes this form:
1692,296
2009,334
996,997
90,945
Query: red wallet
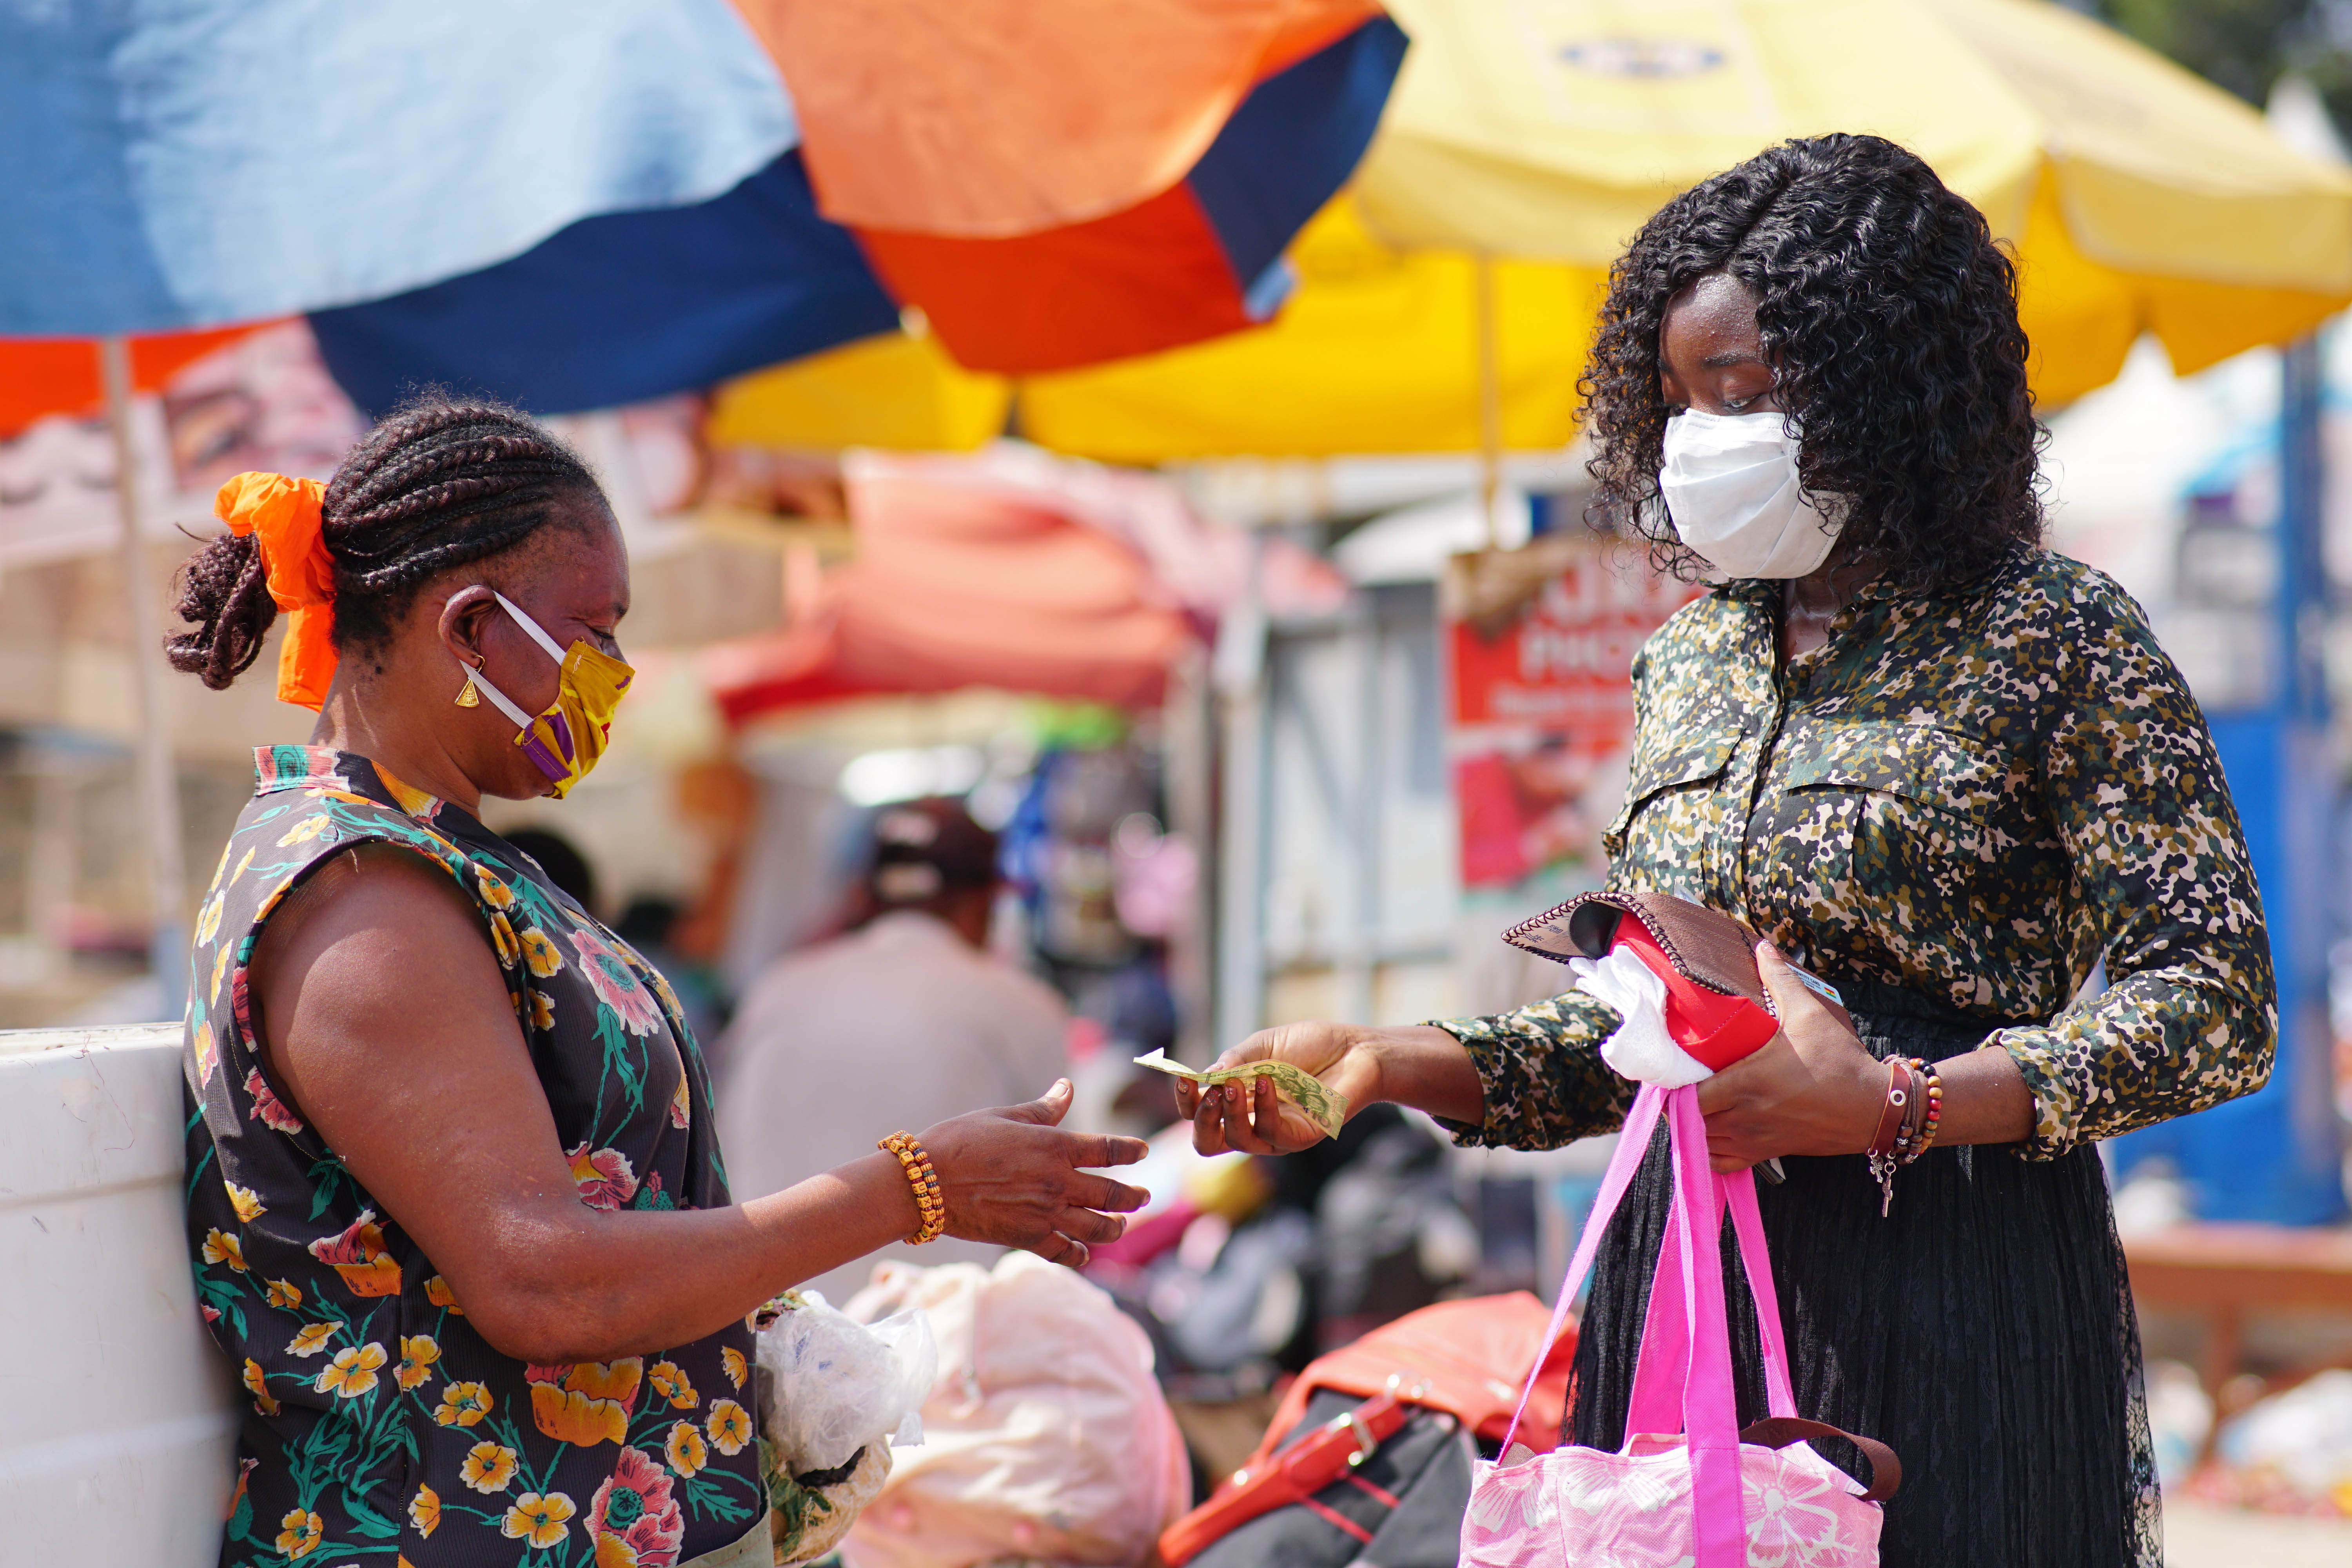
1716,1007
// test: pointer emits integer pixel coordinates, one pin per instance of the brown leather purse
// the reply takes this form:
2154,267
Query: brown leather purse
1707,951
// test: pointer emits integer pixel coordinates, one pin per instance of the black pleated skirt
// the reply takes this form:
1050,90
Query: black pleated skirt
1983,1329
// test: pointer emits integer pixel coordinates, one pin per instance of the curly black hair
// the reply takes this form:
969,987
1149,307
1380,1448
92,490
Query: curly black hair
441,482
1889,316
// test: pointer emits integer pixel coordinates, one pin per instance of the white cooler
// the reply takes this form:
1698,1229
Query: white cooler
117,1415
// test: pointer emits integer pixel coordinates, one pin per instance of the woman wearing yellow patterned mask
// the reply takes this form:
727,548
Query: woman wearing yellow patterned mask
456,1207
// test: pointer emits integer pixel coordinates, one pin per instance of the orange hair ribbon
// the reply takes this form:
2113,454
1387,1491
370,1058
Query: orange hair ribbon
284,514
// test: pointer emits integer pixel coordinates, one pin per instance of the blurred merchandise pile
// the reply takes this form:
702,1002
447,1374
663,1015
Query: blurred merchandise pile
2289,1452
1242,1269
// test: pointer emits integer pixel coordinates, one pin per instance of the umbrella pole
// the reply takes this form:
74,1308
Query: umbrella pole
158,783
1239,671
1490,399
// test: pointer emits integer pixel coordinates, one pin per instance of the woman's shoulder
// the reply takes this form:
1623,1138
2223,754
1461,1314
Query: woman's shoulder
309,804
2067,639
315,796
2041,594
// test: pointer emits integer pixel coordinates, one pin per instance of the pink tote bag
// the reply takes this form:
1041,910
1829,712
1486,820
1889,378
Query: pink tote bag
1688,1489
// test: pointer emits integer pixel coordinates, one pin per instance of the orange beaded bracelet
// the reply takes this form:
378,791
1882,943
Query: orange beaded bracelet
925,1183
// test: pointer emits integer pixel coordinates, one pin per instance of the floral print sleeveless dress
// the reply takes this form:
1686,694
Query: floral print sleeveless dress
380,1429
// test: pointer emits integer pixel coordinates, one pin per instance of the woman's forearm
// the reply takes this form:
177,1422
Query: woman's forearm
1423,1067
428,1095
588,1284
1985,1099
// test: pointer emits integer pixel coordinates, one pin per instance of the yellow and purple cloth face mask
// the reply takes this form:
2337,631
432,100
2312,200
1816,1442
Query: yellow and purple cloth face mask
566,740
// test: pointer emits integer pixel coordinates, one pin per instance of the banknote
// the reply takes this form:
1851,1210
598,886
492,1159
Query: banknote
1325,1106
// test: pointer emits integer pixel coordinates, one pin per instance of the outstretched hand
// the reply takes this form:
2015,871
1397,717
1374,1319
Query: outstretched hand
1013,1177
1251,1117
1810,1090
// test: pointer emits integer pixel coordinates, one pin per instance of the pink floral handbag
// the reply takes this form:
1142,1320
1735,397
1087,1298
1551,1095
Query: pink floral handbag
1688,1489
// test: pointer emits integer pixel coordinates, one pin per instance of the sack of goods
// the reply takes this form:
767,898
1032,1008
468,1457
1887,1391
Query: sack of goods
1046,1437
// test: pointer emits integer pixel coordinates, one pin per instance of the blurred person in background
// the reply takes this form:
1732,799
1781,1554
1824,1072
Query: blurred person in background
905,1011
456,1208
562,860
1944,768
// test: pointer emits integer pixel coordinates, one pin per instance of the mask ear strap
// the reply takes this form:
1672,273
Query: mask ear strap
500,700
527,623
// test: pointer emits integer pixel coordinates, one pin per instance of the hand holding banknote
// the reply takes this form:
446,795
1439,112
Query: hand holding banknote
1322,1105
1256,1116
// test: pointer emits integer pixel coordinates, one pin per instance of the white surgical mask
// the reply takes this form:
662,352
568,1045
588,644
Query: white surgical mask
1730,485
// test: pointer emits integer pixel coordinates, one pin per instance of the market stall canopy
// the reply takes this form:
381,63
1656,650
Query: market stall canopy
629,215
622,307
219,161
629,306
988,118
2141,197
1377,351
962,578
1194,259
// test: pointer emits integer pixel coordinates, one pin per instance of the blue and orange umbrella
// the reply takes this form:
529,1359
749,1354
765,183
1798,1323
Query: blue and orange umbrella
586,205
628,306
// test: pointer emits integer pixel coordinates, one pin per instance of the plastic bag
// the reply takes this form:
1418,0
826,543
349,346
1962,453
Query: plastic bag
830,1385
1046,1436
804,1523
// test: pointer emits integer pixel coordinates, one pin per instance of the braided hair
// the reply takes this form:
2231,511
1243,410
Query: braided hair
440,483
1889,313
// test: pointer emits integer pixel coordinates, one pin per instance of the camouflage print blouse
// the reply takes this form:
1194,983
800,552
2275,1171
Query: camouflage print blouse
380,1429
1972,796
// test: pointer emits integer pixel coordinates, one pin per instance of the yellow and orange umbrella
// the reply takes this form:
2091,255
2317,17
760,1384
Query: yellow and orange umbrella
2140,199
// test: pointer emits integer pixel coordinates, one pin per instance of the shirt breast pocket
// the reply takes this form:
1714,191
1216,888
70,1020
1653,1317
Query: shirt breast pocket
1903,828
1666,789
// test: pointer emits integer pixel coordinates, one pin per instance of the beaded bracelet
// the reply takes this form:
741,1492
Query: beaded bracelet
925,1183
1926,1112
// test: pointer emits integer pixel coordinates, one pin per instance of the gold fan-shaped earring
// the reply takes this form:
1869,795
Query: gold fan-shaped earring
467,696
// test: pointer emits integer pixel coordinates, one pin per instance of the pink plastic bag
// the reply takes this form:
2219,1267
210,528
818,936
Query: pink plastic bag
1688,1489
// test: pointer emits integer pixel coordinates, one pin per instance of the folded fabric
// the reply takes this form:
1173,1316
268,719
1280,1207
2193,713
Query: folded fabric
1642,1048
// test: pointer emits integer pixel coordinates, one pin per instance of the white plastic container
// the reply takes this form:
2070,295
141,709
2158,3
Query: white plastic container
116,1416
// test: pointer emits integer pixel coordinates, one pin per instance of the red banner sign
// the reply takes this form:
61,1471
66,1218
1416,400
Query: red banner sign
1541,642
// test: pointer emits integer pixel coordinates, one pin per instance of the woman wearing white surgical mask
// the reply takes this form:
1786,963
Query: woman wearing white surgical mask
1733,489
1731,476
1940,767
